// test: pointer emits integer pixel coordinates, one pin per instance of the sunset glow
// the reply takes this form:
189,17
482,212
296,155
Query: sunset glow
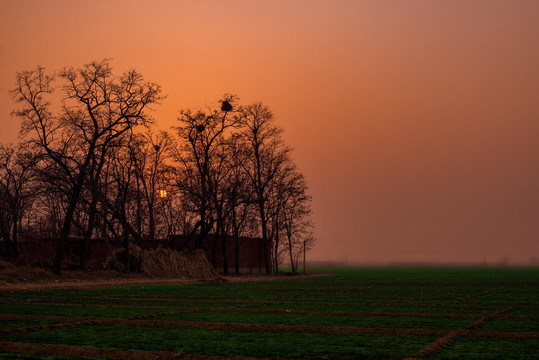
414,122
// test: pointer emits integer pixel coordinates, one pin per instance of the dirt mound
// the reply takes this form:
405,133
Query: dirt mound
10,273
177,264
148,264
164,263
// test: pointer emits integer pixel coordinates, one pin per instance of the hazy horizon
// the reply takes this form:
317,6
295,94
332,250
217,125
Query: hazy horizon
415,123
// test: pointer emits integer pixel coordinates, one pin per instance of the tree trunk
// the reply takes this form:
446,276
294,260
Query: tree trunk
292,262
73,200
265,241
214,253
236,243
237,255
202,233
85,254
14,238
152,221
126,248
64,235
225,258
267,256
276,252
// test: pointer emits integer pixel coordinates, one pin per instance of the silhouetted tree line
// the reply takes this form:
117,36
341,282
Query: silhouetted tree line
89,164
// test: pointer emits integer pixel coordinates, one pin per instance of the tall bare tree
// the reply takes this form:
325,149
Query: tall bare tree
201,136
96,109
149,154
296,215
265,157
276,203
239,196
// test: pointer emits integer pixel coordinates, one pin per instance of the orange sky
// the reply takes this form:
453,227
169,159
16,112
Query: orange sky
416,122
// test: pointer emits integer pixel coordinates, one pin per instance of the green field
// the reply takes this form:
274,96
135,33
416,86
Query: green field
360,313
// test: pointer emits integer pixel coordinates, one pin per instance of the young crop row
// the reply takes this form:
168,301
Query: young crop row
382,313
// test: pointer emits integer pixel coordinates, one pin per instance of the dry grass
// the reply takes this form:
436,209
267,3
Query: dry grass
160,265
165,263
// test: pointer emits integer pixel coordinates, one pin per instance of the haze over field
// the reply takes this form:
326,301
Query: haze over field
415,122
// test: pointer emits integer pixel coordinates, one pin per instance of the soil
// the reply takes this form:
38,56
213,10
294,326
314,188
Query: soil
86,351
19,277
149,321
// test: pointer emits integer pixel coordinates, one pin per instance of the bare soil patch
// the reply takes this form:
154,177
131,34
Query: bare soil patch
87,351
230,326
15,277
146,321
470,330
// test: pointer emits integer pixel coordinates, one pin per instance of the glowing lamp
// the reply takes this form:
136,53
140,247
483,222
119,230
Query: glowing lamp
162,194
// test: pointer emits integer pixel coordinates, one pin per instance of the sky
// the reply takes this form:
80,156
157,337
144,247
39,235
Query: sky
415,122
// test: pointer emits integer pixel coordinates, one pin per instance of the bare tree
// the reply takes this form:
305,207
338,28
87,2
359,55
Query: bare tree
96,109
93,184
277,201
233,171
201,135
296,216
149,154
16,192
123,195
266,154
239,196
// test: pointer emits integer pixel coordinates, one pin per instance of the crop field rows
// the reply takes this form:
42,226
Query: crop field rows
385,313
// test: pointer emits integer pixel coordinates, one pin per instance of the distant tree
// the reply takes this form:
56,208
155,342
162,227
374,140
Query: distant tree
266,154
96,109
279,194
296,216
